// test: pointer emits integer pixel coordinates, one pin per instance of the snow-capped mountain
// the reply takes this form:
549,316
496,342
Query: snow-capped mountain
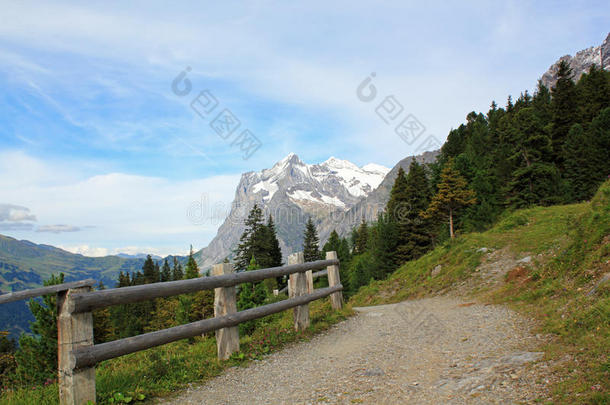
292,191
581,62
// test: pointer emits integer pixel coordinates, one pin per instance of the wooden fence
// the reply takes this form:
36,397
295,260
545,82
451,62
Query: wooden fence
77,355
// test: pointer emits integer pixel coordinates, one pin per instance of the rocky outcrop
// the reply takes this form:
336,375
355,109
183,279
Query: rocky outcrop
580,63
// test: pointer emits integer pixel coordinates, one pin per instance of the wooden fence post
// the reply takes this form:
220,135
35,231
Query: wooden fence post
336,299
76,387
309,275
225,303
298,287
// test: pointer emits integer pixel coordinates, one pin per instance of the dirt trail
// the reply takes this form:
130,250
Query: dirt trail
437,350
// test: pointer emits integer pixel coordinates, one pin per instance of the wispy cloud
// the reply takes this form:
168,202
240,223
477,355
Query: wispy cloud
15,213
58,228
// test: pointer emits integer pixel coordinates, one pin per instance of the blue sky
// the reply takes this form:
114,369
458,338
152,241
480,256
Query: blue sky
98,155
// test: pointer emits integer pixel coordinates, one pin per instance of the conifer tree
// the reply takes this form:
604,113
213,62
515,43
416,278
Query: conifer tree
192,270
398,204
37,354
452,195
252,240
148,271
413,234
274,250
564,109
166,273
579,169
311,250
535,179
362,238
177,273
593,91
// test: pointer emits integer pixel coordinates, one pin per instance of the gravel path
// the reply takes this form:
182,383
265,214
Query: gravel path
437,350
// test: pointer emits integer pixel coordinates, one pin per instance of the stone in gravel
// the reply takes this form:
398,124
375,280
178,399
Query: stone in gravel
526,259
373,372
482,250
522,357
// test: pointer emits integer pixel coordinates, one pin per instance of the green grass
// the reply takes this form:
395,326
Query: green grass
161,371
574,241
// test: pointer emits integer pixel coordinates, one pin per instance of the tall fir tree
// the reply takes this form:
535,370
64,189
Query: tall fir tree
273,245
535,179
177,273
37,354
311,249
252,240
452,195
362,240
564,109
148,271
166,272
413,232
192,270
579,169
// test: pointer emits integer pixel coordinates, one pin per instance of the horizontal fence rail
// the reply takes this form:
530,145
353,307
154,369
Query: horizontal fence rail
126,295
89,356
78,355
315,275
37,292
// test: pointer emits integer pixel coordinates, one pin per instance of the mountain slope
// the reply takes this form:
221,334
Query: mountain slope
292,191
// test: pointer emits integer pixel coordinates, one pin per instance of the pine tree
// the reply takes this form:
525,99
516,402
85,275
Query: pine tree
398,204
274,250
384,243
363,238
192,270
37,354
564,109
311,250
166,273
593,91
413,235
251,295
148,270
452,195
177,273
252,240
535,179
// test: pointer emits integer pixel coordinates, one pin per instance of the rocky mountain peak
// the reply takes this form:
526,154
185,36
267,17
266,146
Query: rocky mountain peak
292,191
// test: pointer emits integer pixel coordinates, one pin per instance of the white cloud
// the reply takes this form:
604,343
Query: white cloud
15,213
58,228
122,209
91,251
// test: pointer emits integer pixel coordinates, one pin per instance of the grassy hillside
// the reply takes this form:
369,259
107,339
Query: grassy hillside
562,282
